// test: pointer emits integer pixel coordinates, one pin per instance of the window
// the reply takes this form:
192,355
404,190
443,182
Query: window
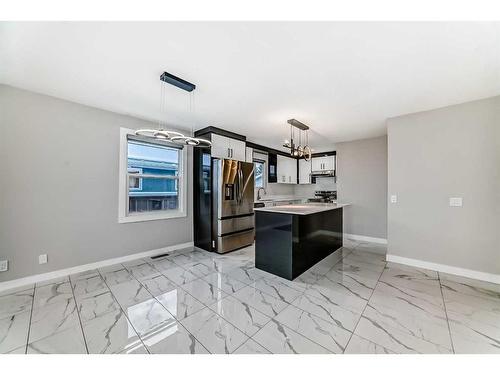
260,173
152,183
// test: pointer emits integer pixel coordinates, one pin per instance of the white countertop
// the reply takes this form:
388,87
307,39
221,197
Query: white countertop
302,209
280,198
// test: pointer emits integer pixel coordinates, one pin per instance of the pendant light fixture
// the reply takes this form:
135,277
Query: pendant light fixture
297,149
168,135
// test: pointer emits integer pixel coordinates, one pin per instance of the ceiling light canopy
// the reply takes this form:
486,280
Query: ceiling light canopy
169,135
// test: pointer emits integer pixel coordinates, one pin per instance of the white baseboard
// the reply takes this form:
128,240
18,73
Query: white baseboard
483,276
357,237
16,283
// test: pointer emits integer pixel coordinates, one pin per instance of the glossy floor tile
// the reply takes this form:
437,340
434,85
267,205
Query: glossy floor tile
180,303
14,331
69,341
279,339
240,314
94,305
110,333
213,332
45,295
51,319
196,302
251,347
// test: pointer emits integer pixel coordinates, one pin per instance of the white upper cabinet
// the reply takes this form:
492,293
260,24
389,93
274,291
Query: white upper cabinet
238,150
228,148
324,163
304,171
249,155
287,170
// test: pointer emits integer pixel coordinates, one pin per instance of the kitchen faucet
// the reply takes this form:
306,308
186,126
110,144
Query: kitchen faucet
258,193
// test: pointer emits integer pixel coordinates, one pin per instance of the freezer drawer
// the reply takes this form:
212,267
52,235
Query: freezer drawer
235,241
235,224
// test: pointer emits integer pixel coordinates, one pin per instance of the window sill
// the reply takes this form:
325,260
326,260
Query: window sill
150,217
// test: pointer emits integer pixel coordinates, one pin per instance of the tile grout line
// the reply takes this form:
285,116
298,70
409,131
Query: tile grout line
121,308
446,313
78,312
31,316
364,309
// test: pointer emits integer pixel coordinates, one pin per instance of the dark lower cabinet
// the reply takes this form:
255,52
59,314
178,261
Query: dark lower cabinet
287,245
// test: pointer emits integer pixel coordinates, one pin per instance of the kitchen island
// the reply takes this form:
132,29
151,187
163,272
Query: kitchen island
290,239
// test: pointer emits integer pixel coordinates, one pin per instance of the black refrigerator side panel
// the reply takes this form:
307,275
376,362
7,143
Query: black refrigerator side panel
272,165
202,198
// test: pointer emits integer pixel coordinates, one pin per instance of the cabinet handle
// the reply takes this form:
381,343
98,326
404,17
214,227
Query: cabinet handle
232,152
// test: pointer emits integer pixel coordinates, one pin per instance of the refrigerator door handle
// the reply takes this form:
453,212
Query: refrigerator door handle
241,185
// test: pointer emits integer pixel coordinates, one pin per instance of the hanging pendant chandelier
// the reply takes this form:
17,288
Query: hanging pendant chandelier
161,133
295,146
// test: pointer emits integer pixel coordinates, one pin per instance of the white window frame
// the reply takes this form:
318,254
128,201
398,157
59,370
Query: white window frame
123,214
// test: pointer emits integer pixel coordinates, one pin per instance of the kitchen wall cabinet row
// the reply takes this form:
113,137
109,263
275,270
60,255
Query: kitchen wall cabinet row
281,169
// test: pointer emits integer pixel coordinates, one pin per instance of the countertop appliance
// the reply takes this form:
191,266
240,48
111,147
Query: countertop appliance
324,196
232,202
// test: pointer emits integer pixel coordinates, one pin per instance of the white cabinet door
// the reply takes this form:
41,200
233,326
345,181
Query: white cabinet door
304,171
221,147
329,163
281,168
292,171
317,164
287,170
227,148
238,149
249,155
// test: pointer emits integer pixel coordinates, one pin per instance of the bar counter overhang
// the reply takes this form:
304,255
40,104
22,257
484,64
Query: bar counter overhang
291,239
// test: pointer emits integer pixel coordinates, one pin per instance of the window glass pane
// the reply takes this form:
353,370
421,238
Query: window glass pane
148,194
153,159
259,173
157,194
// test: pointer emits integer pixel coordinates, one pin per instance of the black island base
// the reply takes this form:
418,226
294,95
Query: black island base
291,239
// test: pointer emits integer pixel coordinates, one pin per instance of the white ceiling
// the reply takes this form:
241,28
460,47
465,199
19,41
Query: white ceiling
343,79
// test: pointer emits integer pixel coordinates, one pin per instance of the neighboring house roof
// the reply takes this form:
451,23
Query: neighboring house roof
140,163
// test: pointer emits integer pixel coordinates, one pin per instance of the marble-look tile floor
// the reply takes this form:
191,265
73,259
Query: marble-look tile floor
194,301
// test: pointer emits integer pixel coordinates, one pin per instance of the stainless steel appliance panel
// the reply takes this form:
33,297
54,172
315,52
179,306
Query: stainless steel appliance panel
235,241
235,224
233,187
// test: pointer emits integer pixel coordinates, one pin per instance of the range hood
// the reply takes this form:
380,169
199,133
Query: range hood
323,173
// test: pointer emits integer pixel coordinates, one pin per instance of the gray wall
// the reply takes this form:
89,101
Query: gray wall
362,182
59,187
434,155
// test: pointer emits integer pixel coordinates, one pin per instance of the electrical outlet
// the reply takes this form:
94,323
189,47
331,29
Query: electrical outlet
42,259
4,265
455,202
394,198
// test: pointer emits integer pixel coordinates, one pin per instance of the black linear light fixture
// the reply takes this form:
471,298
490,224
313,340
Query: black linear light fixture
296,148
167,135
177,82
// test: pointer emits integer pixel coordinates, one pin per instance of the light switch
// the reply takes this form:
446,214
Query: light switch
394,199
4,265
42,259
455,202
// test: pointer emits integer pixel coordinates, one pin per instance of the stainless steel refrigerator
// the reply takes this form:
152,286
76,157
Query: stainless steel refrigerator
232,204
